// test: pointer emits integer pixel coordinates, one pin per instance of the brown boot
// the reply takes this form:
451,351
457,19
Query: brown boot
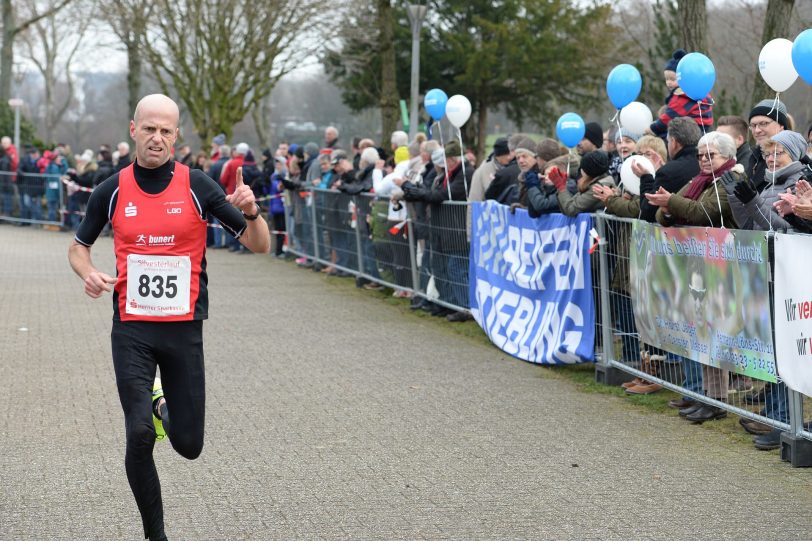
644,388
632,383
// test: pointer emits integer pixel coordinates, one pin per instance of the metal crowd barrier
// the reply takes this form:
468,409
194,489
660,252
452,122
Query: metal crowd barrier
418,249
781,408
28,198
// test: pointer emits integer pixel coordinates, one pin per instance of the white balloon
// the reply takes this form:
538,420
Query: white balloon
636,117
630,181
458,110
775,64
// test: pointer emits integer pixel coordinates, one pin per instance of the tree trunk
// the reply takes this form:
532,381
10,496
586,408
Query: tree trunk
482,131
776,25
7,52
133,73
694,23
260,115
389,90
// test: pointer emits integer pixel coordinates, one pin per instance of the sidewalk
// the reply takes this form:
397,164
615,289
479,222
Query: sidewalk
333,416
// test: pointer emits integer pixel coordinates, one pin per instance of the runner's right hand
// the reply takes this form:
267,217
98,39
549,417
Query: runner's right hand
97,283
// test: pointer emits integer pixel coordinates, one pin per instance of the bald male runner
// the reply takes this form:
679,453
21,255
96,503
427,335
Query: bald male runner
159,210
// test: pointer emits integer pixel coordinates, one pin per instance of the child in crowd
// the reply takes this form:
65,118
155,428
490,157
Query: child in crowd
677,103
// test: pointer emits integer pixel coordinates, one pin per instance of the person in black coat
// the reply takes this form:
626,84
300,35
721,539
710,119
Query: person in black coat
683,135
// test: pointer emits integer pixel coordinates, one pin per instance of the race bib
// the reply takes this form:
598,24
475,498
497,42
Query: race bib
158,285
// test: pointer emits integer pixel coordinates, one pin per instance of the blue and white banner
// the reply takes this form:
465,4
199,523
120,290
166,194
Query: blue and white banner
530,284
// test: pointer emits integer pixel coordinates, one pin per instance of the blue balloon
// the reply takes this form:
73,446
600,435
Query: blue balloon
434,101
570,129
623,85
802,55
696,75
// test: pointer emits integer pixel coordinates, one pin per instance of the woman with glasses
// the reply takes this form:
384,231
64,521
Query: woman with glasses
702,201
754,209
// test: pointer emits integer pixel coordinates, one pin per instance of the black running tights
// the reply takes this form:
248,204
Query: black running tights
139,347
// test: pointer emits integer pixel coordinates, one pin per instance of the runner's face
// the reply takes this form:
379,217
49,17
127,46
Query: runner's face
154,134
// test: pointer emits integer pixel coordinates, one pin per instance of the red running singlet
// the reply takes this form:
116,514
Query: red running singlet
160,242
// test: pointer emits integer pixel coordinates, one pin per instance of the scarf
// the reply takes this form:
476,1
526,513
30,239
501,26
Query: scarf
703,180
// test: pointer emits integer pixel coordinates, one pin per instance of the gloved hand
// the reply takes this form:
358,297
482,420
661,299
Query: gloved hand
558,178
744,192
532,180
729,178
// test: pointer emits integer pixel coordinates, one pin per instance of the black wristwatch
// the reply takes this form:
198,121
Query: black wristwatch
251,217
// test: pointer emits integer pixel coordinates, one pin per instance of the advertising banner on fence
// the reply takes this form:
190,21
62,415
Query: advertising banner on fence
531,284
793,311
703,293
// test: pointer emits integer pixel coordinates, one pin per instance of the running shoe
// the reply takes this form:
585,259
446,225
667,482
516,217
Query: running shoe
157,393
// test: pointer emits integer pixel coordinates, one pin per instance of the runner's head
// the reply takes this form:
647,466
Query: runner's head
154,128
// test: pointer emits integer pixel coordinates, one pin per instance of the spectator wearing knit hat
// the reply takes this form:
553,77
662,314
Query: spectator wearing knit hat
594,170
504,187
537,193
754,209
766,119
593,138
678,104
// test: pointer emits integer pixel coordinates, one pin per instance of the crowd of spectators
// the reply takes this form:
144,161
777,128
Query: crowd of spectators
358,196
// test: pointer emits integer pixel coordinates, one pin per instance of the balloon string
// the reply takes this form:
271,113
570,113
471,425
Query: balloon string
710,161
445,163
569,157
462,161
776,103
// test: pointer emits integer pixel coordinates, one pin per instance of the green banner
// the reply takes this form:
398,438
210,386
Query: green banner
703,293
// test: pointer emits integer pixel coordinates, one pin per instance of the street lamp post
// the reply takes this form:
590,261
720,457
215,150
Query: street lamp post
16,103
416,15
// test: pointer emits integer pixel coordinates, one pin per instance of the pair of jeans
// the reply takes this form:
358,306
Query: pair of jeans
53,209
692,373
777,404
31,208
8,203
457,268
624,323
346,250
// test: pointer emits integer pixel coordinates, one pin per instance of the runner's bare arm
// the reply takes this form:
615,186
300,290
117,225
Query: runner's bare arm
256,236
96,282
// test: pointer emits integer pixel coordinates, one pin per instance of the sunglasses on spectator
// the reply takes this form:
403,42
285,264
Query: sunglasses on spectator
760,125
697,294
706,155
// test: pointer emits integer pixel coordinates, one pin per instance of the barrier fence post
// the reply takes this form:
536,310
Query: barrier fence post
604,372
410,232
796,449
358,244
315,222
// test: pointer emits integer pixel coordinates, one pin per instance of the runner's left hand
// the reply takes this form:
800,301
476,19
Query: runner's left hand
243,198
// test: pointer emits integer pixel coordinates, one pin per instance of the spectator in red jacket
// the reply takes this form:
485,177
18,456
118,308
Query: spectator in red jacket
228,178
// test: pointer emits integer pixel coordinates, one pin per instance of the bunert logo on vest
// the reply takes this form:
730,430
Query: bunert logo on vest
155,240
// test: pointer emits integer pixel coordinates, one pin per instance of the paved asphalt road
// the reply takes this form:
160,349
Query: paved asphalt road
332,415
